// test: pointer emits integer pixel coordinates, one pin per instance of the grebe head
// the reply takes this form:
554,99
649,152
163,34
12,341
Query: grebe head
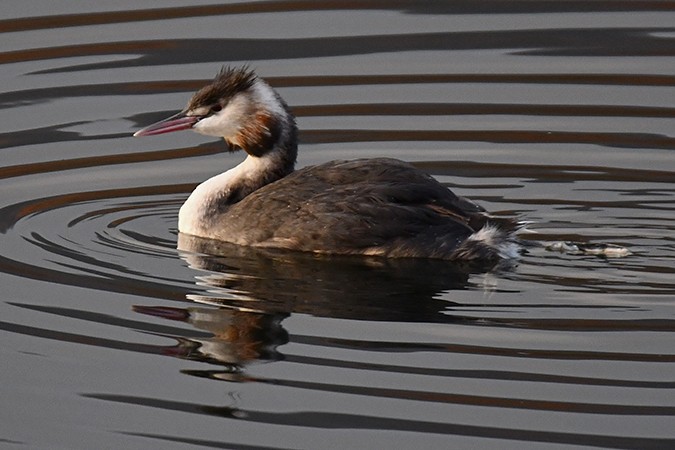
239,107
245,111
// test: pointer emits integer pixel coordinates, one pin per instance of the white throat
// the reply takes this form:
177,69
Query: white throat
210,198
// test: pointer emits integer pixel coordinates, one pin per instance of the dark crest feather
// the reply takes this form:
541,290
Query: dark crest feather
225,85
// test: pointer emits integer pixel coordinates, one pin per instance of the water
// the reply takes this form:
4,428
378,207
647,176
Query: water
560,112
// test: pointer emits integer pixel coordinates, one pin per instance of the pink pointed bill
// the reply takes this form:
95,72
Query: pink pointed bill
174,123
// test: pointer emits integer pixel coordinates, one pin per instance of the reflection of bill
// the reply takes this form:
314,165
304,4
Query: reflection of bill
233,338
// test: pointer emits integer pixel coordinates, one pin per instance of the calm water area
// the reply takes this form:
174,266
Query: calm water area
559,112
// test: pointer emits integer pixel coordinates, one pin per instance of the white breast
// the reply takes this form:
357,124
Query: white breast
194,216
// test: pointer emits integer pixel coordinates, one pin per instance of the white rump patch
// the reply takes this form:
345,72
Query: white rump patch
497,239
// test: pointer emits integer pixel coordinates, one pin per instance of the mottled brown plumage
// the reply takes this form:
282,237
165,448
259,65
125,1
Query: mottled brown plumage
382,207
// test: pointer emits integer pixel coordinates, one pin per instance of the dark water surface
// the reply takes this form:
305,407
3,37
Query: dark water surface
561,112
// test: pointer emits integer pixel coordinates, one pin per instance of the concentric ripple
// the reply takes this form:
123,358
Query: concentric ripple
98,234
121,333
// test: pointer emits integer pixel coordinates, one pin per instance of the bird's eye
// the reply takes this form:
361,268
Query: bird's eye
216,108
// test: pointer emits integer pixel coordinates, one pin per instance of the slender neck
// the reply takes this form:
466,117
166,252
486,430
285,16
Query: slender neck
255,172
267,163
214,196
269,137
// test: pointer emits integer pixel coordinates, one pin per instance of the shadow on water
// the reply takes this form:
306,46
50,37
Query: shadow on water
256,289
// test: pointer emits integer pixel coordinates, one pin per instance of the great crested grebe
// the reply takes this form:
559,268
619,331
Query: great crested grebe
379,206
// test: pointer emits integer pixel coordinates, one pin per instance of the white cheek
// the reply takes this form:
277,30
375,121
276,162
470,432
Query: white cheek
225,123
215,126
